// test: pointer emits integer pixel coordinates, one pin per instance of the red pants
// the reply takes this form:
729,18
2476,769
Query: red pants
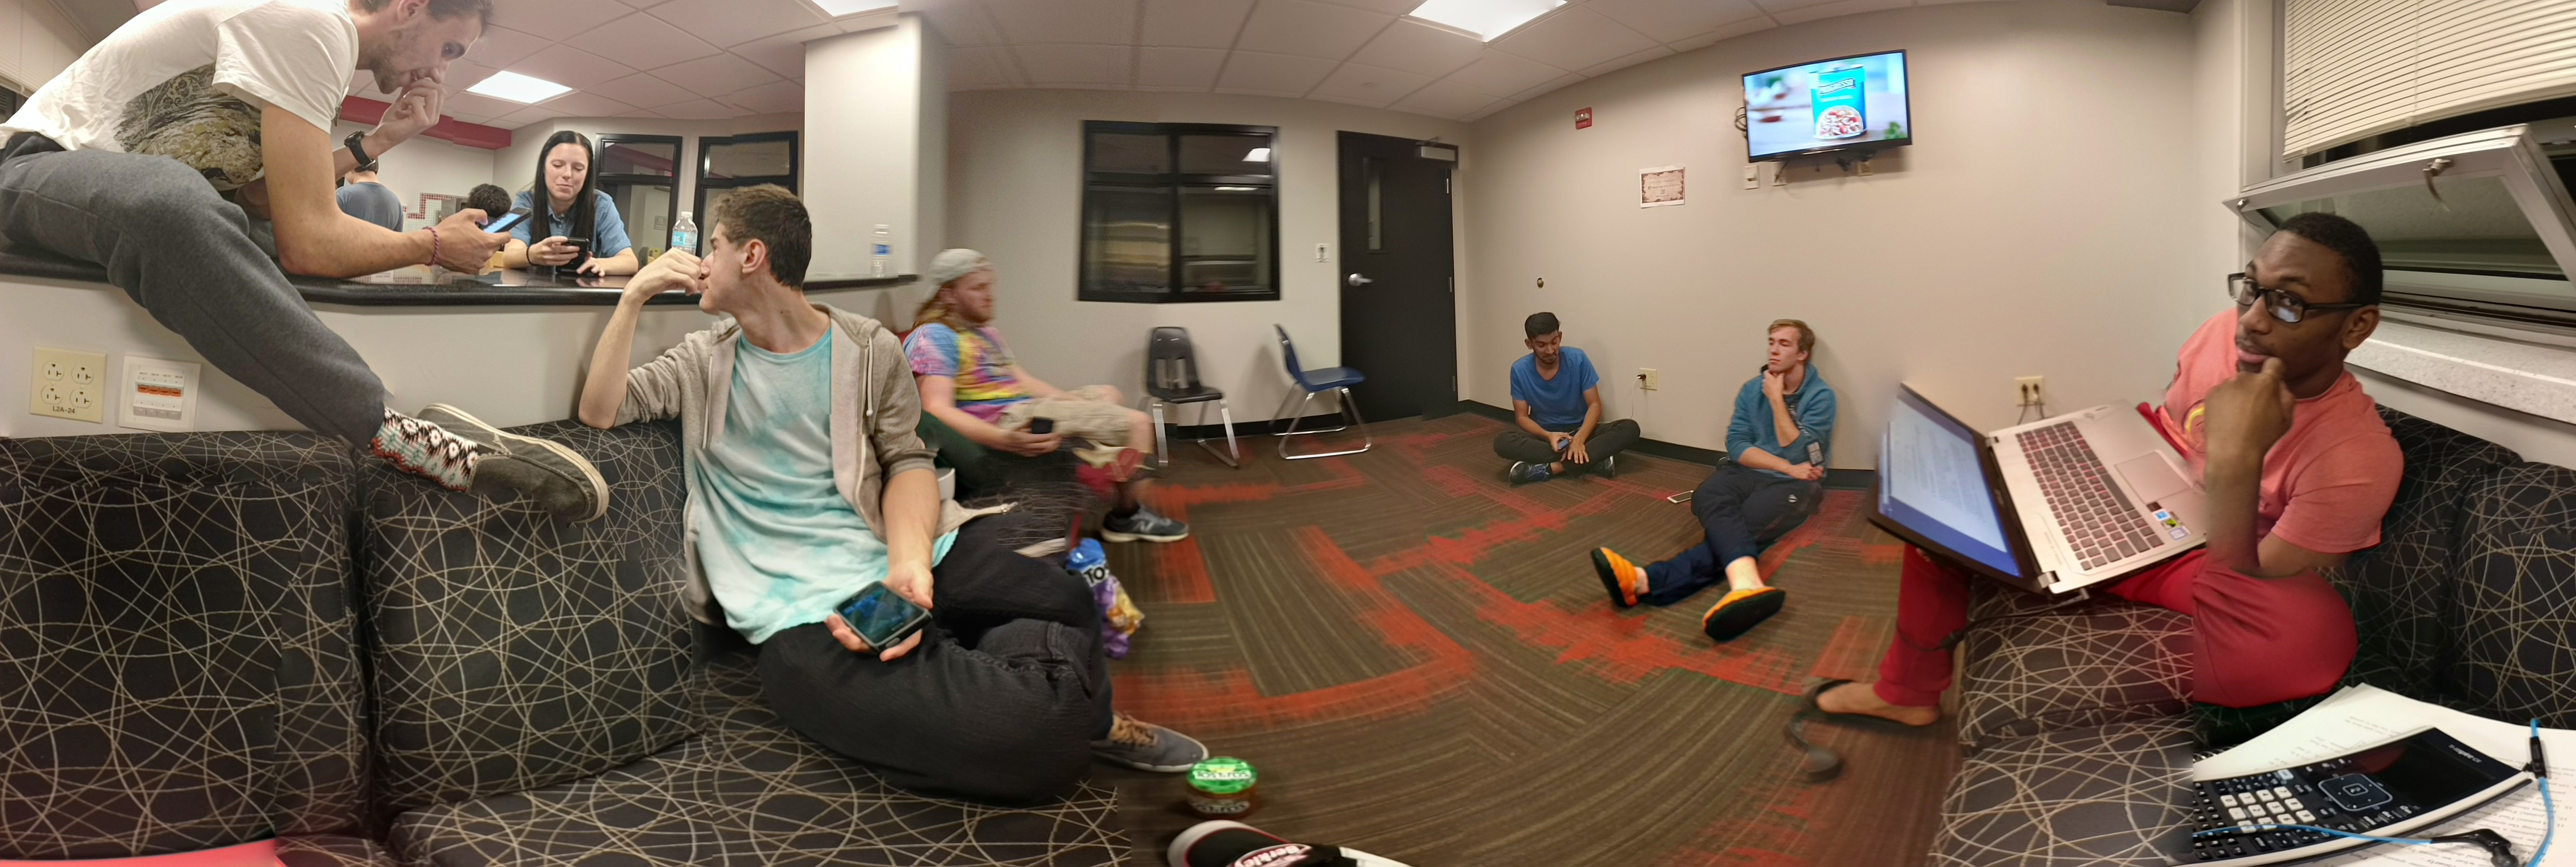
2255,641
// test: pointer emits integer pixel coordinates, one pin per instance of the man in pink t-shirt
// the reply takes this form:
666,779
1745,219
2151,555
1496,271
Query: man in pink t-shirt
2298,470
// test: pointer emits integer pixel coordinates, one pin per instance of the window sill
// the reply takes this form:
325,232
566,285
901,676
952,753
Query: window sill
2531,372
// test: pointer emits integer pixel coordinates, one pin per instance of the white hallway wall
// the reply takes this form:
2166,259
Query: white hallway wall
36,42
2048,223
1015,193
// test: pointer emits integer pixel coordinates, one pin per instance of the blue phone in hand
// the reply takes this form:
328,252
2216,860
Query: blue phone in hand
506,222
880,617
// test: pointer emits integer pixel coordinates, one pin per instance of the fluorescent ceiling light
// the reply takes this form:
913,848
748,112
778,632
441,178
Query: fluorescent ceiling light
518,88
1488,19
1257,155
1238,189
839,8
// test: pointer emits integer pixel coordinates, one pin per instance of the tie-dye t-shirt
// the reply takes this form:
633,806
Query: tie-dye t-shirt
979,361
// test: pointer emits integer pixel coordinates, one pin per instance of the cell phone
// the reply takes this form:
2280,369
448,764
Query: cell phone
506,222
1041,426
1682,497
880,617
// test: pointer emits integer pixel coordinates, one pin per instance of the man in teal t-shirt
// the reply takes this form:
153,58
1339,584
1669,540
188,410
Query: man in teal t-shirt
1556,411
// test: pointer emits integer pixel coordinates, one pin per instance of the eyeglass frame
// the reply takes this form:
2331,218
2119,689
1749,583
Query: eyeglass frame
2268,296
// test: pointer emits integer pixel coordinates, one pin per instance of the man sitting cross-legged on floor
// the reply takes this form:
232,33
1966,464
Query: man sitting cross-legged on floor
1771,481
2298,470
1556,411
807,484
970,382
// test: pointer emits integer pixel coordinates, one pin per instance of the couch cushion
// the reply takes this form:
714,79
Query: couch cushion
178,670
2399,591
332,851
2100,662
2516,598
752,792
513,651
2107,795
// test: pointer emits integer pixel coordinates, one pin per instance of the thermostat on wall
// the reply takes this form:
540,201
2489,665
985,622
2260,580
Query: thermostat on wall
158,394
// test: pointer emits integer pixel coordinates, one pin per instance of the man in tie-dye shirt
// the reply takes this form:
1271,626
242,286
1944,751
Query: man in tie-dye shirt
970,382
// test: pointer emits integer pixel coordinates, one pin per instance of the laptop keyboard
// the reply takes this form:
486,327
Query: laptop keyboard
2100,522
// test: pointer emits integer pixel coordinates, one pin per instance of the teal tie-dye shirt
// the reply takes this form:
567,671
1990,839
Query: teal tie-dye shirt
778,543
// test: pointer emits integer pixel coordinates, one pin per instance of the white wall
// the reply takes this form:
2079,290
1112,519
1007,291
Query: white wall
2047,224
1015,193
36,42
866,98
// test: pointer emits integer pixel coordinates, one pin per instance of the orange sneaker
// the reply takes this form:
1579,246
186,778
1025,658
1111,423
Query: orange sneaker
1618,576
1740,611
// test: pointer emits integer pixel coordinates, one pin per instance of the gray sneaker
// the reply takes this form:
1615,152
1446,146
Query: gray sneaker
560,480
1148,747
1143,525
1524,472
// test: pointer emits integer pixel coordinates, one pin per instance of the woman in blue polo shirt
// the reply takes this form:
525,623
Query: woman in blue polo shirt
575,208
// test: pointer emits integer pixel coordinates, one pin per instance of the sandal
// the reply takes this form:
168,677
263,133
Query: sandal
1740,611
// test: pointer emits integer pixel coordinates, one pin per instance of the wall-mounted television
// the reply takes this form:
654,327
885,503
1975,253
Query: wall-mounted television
1844,104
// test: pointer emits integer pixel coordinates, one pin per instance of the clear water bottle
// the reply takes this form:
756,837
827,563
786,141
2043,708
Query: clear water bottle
884,248
684,234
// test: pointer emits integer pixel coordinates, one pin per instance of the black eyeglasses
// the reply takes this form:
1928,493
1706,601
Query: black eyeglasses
2284,306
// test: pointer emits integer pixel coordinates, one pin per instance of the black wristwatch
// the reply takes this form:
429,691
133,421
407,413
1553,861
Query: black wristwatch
357,142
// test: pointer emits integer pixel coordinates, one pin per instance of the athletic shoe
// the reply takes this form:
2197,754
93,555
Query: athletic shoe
1524,472
1608,467
1143,525
1622,579
1148,747
561,482
1740,611
1226,843
426,450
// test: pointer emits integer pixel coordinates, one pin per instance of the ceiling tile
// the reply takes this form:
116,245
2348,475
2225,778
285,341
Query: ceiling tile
1194,23
1503,74
1390,7
873,19
1273,73
584,104
1077,64
363,83
1443,99
571,67
979,69
641,112
1785,5
1722,34
461,104
1668,21
1309,29
642,41
1029,22
704,109
642,90
784,53
1573,38
961,23
466,73
502,46
734,22
553,20
524,116
1421,49
1369,85
1829,10
1487,111
777,97
1655,53
1532,93
1191,68
716,76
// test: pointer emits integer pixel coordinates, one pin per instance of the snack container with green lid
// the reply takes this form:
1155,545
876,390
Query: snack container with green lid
1221,787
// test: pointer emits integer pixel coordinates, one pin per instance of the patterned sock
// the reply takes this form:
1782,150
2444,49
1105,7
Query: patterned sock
426,450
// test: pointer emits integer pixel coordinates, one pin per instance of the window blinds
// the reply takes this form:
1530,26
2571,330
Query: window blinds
2355,68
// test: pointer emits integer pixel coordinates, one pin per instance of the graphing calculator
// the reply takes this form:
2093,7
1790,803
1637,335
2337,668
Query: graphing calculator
2404,785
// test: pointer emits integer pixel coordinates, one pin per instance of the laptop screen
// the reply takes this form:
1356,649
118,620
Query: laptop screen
1931,482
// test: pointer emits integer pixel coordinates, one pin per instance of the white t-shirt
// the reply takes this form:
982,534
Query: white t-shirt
188,78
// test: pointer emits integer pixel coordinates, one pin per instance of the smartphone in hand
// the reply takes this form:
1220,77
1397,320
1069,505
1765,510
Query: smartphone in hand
508,221
1041,426
880,617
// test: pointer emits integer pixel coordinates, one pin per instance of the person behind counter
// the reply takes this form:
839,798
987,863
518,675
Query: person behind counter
367,199
575,208
150,155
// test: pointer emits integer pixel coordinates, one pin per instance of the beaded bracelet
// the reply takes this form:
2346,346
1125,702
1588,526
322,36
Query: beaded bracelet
433,245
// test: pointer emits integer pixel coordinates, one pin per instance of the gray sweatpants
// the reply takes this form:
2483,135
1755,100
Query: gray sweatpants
186,255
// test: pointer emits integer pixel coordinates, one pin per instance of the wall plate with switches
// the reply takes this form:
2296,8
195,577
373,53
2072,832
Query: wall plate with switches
158,394
2026,391
68,384
1648,379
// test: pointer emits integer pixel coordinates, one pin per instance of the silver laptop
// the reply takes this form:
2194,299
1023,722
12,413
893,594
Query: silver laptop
2052,506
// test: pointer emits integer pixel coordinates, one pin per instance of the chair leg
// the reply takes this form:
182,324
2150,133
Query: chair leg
1291,430
1351,414
1236,461
1352,406
1162,445
1282,412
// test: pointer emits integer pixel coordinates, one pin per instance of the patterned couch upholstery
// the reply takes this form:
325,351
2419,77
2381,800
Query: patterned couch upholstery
2077,722
209,639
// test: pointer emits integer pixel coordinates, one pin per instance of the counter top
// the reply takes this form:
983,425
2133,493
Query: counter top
421,285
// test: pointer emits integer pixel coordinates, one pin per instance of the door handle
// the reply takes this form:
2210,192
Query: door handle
1357,280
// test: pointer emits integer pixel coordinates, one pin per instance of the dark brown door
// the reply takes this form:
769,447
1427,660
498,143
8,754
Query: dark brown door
1397,275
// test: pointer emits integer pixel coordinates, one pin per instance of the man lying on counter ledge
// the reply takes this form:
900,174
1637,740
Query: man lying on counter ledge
153,153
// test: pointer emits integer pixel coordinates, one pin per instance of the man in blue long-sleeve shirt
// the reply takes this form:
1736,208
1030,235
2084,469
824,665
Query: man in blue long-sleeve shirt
1774,476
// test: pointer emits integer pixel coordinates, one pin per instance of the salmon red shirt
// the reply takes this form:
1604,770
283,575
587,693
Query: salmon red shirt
2328,482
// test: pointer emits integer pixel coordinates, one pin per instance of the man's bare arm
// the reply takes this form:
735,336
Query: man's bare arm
315,238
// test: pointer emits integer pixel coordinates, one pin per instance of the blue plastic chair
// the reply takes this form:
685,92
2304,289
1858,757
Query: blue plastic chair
1311,383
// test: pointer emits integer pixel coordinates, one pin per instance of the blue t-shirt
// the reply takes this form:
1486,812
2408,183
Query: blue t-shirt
608,241
778,543
1556,404
372,202
1811,406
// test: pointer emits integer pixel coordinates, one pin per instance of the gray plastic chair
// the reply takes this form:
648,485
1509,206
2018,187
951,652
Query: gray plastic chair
1172,377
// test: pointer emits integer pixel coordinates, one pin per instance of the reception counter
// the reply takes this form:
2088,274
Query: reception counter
510,346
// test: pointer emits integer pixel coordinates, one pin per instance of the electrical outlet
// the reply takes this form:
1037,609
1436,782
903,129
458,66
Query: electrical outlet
1648,379
68,384
2026,391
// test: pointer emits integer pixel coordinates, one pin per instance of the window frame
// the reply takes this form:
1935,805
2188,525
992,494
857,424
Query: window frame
1179,183
671,208
706,161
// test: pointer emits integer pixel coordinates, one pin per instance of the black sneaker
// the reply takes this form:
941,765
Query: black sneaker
1524,472
1608,467
1143,525
559,479
1225,843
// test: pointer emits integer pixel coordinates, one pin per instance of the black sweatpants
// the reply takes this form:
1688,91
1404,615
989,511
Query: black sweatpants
999,702
1739,510
1608,438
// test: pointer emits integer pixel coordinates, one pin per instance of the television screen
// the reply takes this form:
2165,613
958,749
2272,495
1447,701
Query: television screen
1828,105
